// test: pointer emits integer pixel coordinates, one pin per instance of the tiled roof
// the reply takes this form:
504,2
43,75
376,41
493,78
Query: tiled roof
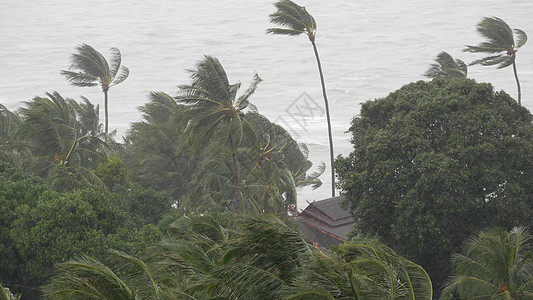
331,208
325,222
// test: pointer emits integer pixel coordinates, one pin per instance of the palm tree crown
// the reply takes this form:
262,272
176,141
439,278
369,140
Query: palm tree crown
218,119
91,69
295,17
446,66
500,44
296,20
496,264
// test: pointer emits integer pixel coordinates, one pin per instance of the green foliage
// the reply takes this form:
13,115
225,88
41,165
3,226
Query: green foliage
64,140
500,44
208,144
257,258
16,189
113,173
5,294
64,225
152,154
148,204
295,18
495,264
91,68
40,227
435,162
445,66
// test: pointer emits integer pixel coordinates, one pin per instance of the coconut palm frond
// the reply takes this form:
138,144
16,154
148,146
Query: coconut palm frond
5,294
243,102
446,66
521,38
294,17
124,73
495,263
87,278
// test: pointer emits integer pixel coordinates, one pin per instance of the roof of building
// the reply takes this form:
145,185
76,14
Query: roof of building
325,222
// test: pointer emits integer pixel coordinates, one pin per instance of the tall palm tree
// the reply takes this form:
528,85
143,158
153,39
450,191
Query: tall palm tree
500,44
446,66
218,121
496,264
91,69
298,21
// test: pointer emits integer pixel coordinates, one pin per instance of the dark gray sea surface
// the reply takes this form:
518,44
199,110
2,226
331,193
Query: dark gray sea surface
368,49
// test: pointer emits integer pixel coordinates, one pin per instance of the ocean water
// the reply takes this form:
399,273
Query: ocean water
368,49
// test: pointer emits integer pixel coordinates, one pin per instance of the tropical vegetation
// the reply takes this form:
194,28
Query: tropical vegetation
90,68
446,66
495,264
435,162
501,45
198,200
295,20
259,258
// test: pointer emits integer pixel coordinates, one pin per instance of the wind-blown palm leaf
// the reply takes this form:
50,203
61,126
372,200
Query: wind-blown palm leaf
495,264
121,277
446,66
5,294
293,16
401,278
500,44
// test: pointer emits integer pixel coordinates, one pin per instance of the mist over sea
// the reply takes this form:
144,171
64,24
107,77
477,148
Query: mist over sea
368,49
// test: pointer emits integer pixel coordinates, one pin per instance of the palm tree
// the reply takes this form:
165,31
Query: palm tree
151,150
500,44
298,21
63,135
495,264
92,69
218,121
446,66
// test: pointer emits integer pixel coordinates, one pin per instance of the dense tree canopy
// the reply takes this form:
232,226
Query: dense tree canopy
259,258
435,162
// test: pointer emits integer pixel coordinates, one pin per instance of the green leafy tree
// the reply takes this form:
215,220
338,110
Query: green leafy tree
435,162
113,173
16,189
64,225
90,68
218,121
500,44
445,65
296,21
495,264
